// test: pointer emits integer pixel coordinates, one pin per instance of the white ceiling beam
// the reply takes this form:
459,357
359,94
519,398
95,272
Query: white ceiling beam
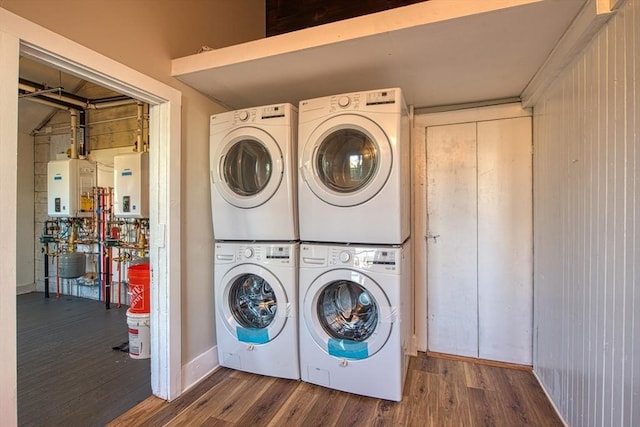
591,18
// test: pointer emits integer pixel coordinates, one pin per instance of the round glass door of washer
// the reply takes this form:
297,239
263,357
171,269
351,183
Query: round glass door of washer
349,317
254,305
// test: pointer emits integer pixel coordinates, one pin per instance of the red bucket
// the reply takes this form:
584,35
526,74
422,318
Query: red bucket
139,288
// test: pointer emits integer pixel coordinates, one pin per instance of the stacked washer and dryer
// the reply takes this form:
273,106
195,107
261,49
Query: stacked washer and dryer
334,310
354,216
255,224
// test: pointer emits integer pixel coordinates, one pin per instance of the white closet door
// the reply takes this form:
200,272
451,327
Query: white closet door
505,240
452,240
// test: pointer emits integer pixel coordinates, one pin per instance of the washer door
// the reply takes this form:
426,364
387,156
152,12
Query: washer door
347,314
253,302
247,168
346,160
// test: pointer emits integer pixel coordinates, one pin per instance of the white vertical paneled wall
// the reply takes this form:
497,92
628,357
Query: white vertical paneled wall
587,230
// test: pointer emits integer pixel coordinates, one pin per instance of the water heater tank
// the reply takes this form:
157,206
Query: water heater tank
131,185
70,184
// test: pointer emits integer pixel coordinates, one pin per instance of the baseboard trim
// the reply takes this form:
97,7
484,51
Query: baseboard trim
546,393
199,368
25,288
481,361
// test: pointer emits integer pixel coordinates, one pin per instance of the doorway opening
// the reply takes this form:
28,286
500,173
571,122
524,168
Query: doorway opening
19,37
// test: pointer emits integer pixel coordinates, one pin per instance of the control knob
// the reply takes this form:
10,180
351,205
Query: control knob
248,253
344,256
243,116
343,101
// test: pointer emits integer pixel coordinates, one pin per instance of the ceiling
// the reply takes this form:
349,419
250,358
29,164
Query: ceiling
438,54
32,114
40,102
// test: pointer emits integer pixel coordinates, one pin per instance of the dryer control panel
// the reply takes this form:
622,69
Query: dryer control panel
278,114
385,100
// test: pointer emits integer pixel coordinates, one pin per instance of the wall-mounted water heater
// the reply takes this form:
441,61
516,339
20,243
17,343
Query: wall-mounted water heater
70,185
131,185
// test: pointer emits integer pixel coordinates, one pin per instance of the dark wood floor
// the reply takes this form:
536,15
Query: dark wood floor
68,373
439,392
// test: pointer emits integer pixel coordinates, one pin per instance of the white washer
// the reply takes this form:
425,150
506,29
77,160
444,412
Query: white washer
354,168
355,318
253,173
256,288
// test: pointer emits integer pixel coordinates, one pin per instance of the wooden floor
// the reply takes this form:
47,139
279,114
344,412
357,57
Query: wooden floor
438,392
68,373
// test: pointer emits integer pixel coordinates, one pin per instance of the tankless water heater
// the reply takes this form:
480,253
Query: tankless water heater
131,185
70,184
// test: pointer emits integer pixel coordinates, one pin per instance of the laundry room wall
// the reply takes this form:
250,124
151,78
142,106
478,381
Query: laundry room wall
146,36
587,229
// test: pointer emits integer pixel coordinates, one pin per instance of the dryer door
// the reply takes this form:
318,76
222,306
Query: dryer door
246,167
346,160
253,303
348,314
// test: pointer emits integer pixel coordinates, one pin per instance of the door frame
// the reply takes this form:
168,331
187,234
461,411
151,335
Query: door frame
419,204
19,36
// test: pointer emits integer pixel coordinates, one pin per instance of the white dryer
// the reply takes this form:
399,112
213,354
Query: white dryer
355,318
253,173
256,288
354,168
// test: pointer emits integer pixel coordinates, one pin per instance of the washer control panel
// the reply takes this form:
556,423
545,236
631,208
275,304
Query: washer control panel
264,254
376,259
256,253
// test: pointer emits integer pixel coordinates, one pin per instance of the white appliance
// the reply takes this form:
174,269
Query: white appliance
256,304
70,185
253,173
131,185
354,168
355,318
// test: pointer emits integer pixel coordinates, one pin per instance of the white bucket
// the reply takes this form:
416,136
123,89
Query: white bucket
139,335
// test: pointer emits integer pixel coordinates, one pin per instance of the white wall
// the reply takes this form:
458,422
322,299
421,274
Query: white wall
587,230
25,227
146,37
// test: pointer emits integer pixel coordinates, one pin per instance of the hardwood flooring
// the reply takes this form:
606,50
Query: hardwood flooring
438,392
68,373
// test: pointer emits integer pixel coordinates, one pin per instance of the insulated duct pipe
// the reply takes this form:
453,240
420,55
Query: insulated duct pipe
82,143
109,104
49,103
74,134
68,99
139,147
41,91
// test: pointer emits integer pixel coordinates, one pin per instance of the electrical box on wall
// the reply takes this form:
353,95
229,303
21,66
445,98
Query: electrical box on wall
70,185
131,185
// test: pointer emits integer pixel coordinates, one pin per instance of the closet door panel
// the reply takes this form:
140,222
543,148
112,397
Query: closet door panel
505,240
452,240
